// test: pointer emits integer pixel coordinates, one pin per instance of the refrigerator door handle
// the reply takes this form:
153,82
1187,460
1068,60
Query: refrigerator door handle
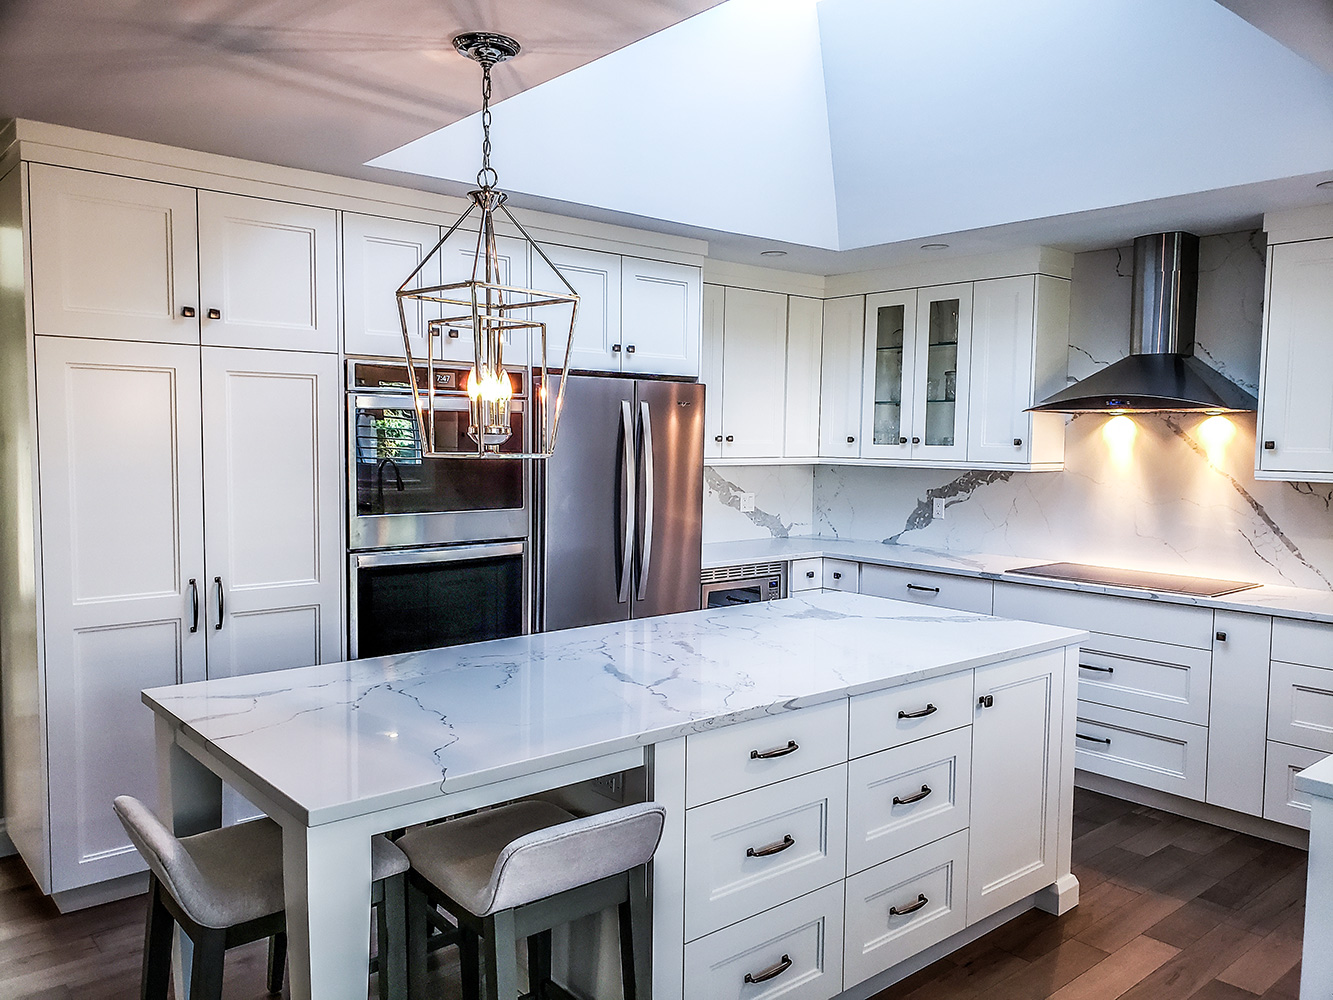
648,474
628,494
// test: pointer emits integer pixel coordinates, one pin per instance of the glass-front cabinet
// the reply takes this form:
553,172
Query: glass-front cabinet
916,374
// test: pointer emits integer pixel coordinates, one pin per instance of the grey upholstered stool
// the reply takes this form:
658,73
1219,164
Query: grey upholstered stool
224,888
520,870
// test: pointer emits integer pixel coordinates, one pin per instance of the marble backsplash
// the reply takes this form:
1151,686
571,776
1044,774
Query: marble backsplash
783,501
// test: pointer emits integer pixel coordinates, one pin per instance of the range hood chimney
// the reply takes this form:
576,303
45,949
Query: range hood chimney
1161,372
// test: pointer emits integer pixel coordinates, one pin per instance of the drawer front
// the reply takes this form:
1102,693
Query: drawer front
1144,676
841,574
941,590
1282,802
899,715
806,574
1156,753
800,941
1303,642
1178,624
935,774
878,939
749,755
1300,705
735,861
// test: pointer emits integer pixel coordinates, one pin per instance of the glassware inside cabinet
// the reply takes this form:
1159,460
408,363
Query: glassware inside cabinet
889,324
942,372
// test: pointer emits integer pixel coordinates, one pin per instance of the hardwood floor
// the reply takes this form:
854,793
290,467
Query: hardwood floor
1171,908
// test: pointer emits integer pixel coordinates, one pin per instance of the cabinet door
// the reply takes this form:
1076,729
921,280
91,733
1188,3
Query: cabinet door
122,540
268,272
998,430
805,325
378,255
840,378
890,349
113,258
457,260
271,484
596,278
710,369
940,373
1295,407
660,316
1016,732
754,364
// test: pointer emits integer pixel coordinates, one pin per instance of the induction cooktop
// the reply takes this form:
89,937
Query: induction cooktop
1195,586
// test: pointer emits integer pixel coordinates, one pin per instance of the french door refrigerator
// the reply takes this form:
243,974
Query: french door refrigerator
620,503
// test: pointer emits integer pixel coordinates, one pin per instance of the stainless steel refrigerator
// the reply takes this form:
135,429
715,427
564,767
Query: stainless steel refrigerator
620,503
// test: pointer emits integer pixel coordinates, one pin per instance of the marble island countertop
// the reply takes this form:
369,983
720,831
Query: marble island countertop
1284,602
344,739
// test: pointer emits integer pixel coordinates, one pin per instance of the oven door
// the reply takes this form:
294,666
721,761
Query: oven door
398,498
425,598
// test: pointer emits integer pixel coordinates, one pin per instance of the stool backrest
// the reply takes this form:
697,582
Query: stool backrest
163,852
575,853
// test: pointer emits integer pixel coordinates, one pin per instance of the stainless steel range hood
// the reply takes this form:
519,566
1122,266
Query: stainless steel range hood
1161,372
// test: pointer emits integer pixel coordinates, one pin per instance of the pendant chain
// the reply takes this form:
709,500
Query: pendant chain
486,176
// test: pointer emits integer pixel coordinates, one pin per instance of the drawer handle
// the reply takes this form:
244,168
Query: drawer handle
777,847
791,747
924,590
1100,670
921,901
925,790
772,972
928,710
1094,739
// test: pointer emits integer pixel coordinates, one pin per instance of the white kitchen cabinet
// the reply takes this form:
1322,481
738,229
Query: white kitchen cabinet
1019,352
888,373
842,574
457,261
753,371
941,590
660,317
268,274
806,574
840,378
1236,717
710,369
1283,803
596,277
1294,438
378,255
113,257
805,327
1146,750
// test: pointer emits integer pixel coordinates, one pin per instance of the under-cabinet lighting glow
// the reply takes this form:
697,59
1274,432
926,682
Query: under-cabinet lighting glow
1216,432
1119,434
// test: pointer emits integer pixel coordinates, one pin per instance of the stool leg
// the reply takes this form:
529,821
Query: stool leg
156,945
635,946
469,962
277,961
501,959
539,963
206,974
417,931
392,927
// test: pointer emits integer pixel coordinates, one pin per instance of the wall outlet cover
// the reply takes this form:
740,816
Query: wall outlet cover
937,507
747,502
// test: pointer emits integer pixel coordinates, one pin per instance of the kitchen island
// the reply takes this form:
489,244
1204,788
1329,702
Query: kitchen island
861,694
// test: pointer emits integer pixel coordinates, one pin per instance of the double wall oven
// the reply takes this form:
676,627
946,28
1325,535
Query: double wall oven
439,546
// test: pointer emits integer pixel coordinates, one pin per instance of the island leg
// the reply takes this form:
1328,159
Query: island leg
1062,895
666,785
1316,957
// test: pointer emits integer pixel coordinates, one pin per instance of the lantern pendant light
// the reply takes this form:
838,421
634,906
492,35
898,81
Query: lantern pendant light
491,312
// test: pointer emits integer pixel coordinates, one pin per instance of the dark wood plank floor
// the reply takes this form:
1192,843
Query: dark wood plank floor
1170,909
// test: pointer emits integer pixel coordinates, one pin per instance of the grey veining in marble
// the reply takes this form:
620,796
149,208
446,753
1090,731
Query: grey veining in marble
343,739
783,501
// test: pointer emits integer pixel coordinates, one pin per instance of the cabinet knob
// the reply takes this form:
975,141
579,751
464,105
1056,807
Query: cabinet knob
188,312
730,439
1221,637
1269,445
902,440
215,314
850,439
809,574
1018,442
916,440
837,576
629,349
615,348
718,438
986,701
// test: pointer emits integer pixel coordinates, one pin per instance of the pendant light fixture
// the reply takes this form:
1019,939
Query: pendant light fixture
491,312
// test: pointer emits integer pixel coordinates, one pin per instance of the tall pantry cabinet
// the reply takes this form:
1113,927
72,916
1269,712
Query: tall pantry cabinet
184,384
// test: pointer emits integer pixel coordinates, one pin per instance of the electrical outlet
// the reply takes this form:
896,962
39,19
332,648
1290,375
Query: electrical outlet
610,785
747,502
937,508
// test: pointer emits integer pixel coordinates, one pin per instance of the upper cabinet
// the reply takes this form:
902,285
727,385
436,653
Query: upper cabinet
457,258
596,277
840,378
378,255
660,319
805,327
1295,427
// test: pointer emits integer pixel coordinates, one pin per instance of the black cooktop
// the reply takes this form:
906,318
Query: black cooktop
1196,586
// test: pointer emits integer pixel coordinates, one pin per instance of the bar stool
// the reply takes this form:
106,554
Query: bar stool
224,888
517,872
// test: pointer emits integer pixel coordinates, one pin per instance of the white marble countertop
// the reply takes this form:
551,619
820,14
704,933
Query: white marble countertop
1284,602
1317,779
345,739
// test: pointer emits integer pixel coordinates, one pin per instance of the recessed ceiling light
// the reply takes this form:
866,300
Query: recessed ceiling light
934,246
772,253
1324,184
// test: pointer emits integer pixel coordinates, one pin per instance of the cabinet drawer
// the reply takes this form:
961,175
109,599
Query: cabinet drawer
1144,749
1282,802
941,590
934,876
752,754
736,863
842,574
802,938
806,574
1303,642
1156,678
1300,705
1178,624
938,769
899,715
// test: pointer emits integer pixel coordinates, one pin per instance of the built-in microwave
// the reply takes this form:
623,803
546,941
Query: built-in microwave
729,585
397,496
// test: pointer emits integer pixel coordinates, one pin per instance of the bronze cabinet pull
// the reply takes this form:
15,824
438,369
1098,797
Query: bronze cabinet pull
215,314
930,709
928,590
772,972
921,901
1094,739
777,847
791,747
1100,670
188,312
194,606
986,701
915,797
222,607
